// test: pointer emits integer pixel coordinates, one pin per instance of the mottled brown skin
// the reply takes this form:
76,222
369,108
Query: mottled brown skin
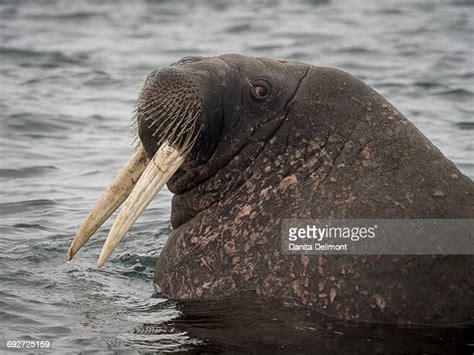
324,145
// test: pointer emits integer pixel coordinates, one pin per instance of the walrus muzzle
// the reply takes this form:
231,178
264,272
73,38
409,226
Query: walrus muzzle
167,114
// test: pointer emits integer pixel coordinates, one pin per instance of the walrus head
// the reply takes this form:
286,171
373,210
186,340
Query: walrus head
194,119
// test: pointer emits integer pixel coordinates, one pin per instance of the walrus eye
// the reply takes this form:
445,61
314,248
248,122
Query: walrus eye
260,90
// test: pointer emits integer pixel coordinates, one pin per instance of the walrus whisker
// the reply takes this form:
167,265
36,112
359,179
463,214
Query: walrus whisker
162,118
172,116
156,119
138,112
187,127
189,142
189,123
157,105
175,137
182,116
179,124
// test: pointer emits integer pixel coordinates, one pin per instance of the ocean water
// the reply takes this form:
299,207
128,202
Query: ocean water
69,74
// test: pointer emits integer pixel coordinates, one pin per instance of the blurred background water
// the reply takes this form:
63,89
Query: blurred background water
69,74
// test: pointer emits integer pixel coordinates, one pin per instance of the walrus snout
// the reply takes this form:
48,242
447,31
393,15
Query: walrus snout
169,108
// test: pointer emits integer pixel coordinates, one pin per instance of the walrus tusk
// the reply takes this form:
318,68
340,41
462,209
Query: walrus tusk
111,199
161,167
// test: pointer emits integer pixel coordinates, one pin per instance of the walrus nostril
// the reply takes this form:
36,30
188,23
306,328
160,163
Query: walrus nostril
168,109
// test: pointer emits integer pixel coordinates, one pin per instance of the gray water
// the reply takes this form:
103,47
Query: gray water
69,74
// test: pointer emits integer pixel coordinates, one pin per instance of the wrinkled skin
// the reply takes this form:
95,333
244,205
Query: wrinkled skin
322,145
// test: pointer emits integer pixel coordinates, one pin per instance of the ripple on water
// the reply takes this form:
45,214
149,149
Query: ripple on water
23,207
40,59
465,125
37,124
458,93
26,172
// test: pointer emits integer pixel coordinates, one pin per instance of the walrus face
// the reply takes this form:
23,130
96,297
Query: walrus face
194,118
216,104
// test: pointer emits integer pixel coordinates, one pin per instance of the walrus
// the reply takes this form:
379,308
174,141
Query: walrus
245,142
